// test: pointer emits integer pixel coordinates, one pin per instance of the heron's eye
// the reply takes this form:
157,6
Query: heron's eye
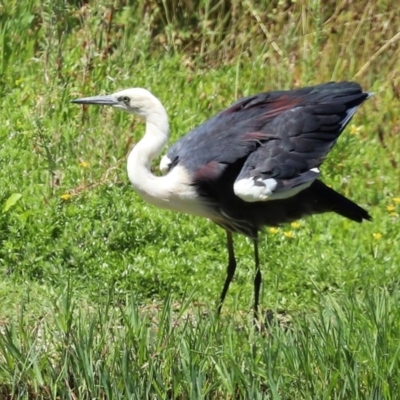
124,99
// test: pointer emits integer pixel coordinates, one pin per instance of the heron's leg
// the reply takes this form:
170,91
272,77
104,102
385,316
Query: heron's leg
230,270
257,279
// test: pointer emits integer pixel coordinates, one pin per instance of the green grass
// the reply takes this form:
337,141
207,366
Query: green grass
104,296
347,349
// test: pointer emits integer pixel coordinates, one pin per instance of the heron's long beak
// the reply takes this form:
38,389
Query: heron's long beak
98,100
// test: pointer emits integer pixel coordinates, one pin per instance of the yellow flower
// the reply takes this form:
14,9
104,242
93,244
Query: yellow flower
288,234
65,196
355,130
84,164
390,208
295,225
377,235
273,230
396,199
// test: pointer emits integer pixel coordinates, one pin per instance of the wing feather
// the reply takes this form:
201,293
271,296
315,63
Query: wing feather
304,135
268,146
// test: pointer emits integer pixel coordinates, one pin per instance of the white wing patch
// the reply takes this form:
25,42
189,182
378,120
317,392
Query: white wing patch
252,190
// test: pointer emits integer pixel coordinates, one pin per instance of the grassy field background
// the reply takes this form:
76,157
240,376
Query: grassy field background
103,296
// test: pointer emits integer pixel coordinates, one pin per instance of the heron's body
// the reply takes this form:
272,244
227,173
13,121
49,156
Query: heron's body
254,164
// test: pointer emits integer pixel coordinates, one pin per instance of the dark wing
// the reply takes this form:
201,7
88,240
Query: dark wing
302,137
279,139
227,137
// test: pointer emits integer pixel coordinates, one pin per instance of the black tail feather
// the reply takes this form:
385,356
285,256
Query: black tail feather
339,204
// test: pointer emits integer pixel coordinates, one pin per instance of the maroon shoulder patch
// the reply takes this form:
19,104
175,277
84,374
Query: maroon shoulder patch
209,171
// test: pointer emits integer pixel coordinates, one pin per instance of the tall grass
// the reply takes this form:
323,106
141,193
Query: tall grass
347,349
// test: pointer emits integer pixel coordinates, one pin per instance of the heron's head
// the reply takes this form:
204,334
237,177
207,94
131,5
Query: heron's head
133,101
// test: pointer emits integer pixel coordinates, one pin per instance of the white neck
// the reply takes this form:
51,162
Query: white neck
173,191
144,152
